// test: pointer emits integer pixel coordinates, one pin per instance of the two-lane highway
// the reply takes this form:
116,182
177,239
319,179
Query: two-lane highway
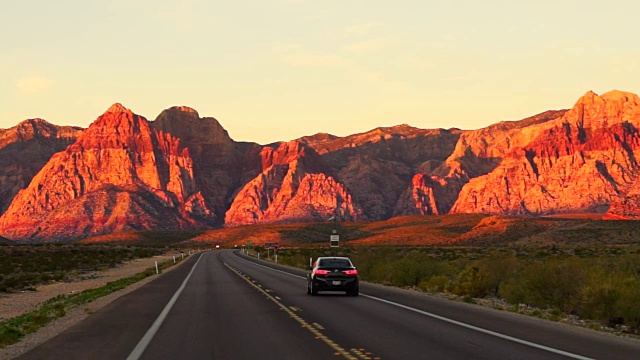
220,305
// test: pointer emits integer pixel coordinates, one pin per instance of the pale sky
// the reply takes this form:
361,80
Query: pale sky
273,70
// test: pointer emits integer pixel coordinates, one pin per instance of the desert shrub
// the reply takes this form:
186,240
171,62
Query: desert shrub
24,266
599,283
412,269
628,304
472,281
437,283
550,283
498,269
601,293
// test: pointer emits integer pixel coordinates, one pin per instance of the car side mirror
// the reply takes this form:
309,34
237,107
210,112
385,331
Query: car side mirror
308,267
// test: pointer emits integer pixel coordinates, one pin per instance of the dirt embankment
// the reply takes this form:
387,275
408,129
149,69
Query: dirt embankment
12,305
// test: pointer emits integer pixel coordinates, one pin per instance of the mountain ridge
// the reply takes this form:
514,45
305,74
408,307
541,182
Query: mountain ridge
182,171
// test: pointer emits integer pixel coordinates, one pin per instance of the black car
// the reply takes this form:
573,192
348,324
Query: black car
333,274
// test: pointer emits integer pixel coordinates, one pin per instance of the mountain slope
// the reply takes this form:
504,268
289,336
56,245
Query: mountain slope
183,172
377,166
118,154
294,186
25,149
581,161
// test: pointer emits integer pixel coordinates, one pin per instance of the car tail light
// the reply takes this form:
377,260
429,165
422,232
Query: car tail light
322,272
351,272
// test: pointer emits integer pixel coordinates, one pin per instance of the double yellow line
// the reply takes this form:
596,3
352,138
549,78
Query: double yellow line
319,335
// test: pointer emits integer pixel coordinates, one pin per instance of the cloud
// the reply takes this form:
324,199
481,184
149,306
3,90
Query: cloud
182,14
34,84
361,29
314,60
366,46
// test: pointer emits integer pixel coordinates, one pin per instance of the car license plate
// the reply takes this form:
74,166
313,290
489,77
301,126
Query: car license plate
336,282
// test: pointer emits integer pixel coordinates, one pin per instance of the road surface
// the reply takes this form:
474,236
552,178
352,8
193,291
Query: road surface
220,305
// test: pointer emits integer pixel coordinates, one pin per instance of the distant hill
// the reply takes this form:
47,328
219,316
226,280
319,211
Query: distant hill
440,230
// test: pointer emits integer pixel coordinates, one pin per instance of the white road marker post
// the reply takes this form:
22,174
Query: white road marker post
157,272
174,259
182,255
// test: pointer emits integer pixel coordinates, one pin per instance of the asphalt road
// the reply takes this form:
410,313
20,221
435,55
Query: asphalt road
233,308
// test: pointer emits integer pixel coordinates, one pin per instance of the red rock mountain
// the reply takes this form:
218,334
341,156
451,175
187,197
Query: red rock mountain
581,161
25,149
377,166
294,186
125,173
182,171
220,165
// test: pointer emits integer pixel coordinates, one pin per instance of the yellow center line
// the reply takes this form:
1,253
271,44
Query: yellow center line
319,335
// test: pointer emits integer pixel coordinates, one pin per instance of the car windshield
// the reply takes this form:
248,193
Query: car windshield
334,263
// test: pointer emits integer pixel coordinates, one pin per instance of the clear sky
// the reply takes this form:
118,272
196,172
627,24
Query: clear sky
272,70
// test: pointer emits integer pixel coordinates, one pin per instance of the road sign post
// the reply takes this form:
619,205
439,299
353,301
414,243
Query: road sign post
334,240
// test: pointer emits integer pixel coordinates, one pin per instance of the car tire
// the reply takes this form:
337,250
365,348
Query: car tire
308,289
353,292
314,290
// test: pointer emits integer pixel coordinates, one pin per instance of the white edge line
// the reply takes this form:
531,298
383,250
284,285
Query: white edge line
489,332
451,321
148,336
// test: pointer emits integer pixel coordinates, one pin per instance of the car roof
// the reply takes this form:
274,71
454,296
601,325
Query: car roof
333,257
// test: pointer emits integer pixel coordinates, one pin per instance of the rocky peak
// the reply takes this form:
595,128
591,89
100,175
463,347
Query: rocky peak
31,128
282,153
177,113
25,149
592,111
185,123
620,96
116,128
318,138
35,122
116,108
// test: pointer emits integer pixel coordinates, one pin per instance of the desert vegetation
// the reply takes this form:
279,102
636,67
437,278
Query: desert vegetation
599,283
14,329
25,266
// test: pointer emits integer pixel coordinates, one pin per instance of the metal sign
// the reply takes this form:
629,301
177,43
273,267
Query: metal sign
334,240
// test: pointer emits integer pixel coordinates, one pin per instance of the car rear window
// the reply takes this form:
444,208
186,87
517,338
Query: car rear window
335,263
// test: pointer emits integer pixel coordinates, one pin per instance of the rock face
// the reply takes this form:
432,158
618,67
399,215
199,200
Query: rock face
25,149
627,206
378,166
220,166
118,168
182,171
581,161
293,186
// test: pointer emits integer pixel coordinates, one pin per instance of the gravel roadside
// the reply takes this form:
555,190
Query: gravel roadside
12,305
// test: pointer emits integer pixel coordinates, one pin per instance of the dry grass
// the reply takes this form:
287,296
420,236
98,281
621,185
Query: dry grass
455,229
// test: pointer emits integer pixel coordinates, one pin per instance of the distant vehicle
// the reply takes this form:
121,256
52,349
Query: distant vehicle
217,246
333,274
